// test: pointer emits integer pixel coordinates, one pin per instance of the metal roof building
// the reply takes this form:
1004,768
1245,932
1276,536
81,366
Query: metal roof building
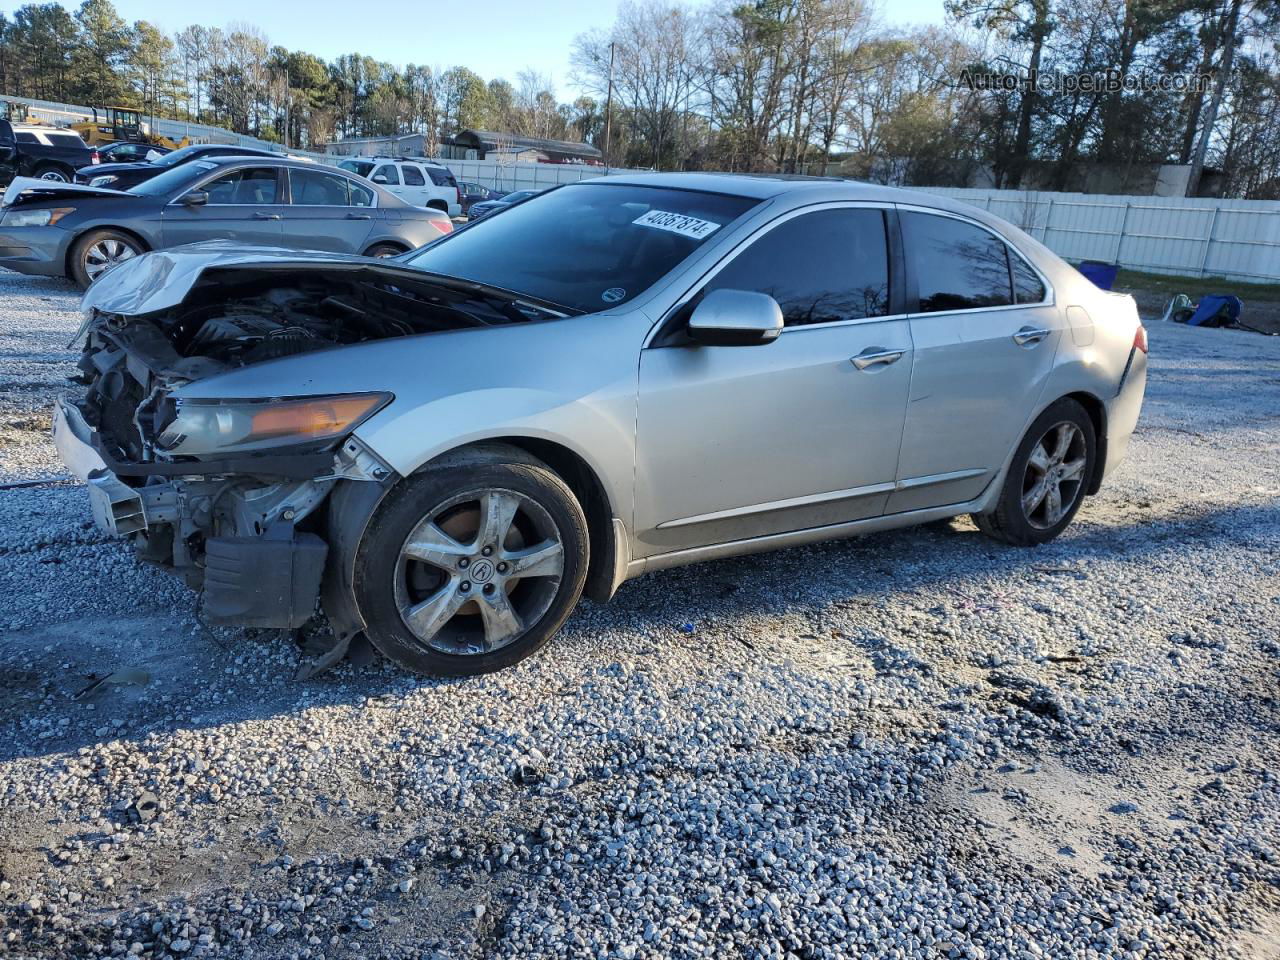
484,144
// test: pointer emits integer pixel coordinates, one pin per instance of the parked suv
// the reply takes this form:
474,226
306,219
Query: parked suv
46,153
419,181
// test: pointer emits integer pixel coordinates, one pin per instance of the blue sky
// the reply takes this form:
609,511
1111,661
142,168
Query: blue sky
493,37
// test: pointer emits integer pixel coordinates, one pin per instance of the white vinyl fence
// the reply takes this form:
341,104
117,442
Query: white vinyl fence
526,176
1239,239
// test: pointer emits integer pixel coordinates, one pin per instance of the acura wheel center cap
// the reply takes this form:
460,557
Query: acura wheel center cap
481,571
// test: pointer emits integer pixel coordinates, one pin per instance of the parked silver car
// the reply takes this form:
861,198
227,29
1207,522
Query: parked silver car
442,451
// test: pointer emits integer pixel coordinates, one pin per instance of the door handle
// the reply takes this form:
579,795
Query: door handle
1030,336
266,216
358,216
872,356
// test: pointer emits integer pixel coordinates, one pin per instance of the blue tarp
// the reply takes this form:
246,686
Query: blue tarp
1215,310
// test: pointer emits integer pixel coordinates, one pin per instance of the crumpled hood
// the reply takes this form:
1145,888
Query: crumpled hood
23,190
163,278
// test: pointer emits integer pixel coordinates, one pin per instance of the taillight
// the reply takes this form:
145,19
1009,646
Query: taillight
444,226
96,158
1140,338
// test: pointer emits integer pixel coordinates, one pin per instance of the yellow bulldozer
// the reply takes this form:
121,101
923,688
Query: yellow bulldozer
122,123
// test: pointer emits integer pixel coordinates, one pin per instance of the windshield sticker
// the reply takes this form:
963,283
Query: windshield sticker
613,295
677,223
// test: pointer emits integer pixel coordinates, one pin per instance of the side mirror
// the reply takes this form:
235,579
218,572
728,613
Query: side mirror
735,318
196,198
379,179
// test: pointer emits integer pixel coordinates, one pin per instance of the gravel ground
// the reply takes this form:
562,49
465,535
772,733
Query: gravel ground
937,746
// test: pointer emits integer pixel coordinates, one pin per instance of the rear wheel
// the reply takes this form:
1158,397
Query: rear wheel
384,250
99,250
49,171
1047,478
468,568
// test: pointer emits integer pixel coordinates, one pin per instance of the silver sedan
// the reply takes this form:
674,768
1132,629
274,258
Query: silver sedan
441,452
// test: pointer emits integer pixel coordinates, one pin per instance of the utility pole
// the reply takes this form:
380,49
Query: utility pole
608,110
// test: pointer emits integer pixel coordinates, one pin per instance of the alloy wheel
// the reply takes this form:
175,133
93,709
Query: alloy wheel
1054,478
106,253
57,176
478,571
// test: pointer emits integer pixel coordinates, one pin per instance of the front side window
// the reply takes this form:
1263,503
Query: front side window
821,267
586,246
388,172
957,265
412,176
248,185
312,188
361,167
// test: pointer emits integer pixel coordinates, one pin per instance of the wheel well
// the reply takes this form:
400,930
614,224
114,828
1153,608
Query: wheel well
71,247
438,205
58,164
1098,414
386,243
586,487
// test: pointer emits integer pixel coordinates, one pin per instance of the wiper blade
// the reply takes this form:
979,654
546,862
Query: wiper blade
492,290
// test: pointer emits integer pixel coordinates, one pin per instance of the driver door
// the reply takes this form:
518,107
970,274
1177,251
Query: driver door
737,442
245,204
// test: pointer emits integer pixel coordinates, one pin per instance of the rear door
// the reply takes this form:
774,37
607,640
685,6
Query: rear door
245,204
327,211
986,332
416,185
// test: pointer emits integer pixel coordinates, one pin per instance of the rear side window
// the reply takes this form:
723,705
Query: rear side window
821,267
442,178
1027,287
315,189
957,266
412,176
360,196
66,140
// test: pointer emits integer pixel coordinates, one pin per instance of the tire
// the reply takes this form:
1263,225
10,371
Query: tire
438,205
384,250
1062,446
52,172
460,595
88,253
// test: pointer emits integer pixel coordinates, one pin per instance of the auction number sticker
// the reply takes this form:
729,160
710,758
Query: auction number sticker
677,223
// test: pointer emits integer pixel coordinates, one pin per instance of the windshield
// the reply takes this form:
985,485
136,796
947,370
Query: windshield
173,179
587,246
361,167
179,156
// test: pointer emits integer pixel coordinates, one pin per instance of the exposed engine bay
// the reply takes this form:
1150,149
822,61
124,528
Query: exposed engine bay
245,527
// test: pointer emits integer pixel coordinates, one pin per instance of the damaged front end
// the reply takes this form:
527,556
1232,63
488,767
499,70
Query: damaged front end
229,493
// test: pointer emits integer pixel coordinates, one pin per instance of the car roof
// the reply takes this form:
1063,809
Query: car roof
279,158
769,186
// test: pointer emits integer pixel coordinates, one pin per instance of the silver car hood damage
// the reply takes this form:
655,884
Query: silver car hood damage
163,278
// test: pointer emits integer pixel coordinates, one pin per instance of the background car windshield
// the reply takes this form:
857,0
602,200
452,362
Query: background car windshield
178,156
173,179
586,246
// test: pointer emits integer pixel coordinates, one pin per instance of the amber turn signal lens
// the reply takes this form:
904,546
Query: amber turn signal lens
320,417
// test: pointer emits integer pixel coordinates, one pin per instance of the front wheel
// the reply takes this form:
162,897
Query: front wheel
471,567
1047,479
98,251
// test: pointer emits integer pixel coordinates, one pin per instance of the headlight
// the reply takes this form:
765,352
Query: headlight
34,218
103,180
203,427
